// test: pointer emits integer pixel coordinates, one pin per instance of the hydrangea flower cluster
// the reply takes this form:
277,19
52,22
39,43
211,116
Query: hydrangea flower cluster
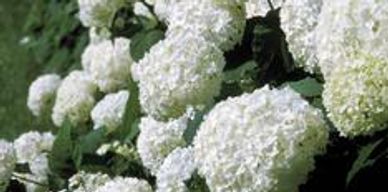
7,163
42,92
263,141
356,97
177,72
121,184
75,99
353,58
349,29
299,20
109,112
108,63
33,148
98,13
220,22
158,139
177,168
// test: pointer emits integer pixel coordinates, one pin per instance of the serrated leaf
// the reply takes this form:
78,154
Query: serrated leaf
60,158
308,87
142,41
362,160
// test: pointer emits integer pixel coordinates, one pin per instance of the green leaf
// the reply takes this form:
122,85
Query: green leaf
133,133
197,184
143,41
89,144
60,157
362,160
131,115
194,124
308,87
237,74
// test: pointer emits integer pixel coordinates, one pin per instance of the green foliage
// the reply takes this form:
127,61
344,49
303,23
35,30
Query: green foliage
143,41
308,87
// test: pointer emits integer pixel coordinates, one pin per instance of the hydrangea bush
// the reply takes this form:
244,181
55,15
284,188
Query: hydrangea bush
211,95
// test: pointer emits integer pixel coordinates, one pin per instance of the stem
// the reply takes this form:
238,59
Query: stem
29,180
270,4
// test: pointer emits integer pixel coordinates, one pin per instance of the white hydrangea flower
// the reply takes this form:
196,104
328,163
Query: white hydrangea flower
178,72
121,184
109,63
263,141
219,22
75,99
7,163
177,168
39,173
158,139
30,145
97,35
256,8
163,8
356,97
142,10
98,13
42,92
299,19
87,182
110,110
349,29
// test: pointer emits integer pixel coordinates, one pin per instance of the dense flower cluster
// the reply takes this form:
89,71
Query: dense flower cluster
110,110
42,92
158,139
179,71
120,184
264,141
7,163
357,97
219,22
98,13
299,19
353,57
108,63
32,148
349,29
75,99
177,168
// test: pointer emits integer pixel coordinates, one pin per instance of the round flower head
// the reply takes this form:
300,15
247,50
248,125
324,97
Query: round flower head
256,8
178,72
356,97
121,184
7,163
86,182
108,63
158,139
42,93
349,29
299,19
177,168
263,141
110,110
30,145
163,8
98,13
220,22
75,99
